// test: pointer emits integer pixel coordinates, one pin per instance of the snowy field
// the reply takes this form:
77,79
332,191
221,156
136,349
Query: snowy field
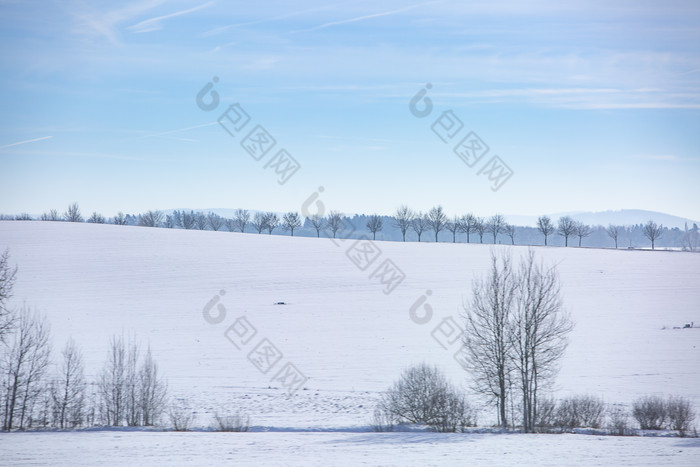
386,449
348,337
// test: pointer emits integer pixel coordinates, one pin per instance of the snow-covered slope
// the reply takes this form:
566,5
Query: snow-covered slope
337,325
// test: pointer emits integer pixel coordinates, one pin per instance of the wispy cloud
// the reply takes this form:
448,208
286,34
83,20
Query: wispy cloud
222,29
154,24
365,17
170,132
585,98
25,142
80,154
105,23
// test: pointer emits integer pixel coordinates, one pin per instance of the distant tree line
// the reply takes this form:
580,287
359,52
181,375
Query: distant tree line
405,224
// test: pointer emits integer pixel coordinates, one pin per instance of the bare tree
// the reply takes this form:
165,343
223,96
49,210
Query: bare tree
24,367
184,219
68,390
495,225
334,222
653,232
402,219
151,219
613,232
120,219
272,221
480,228
153,391
545,226
454,226
169,221
581,230
317,222
540,329
419,224
96,218
215,221
230,224
466,225
487,337
241,218
52,215
8,275
24,217
374,225
132,405
200,221
437,220
259,222
509,230
189,220
112,384
73,213
291,221
691,238
566,228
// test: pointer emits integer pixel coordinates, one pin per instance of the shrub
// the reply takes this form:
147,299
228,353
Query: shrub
231,423
579,412
619,421
422,395
650,412
546,411
382,421
181,416
680,414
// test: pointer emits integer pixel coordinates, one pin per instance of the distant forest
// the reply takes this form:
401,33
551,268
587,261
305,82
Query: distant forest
404,225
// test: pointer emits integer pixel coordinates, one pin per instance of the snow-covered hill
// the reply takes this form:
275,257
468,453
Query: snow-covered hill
337,326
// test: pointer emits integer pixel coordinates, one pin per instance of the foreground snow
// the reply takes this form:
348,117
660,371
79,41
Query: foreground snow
401,449
348,337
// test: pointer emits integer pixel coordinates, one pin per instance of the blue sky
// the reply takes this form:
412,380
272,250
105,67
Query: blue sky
593,105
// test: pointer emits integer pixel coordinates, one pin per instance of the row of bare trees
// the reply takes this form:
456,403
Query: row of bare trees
189,220
436,220
34,393
404,219
568,227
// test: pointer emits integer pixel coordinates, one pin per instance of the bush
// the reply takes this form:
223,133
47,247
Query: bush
382,421
680,414
579,412
546,411
650,412
619,421
422,395
231,423
181,416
